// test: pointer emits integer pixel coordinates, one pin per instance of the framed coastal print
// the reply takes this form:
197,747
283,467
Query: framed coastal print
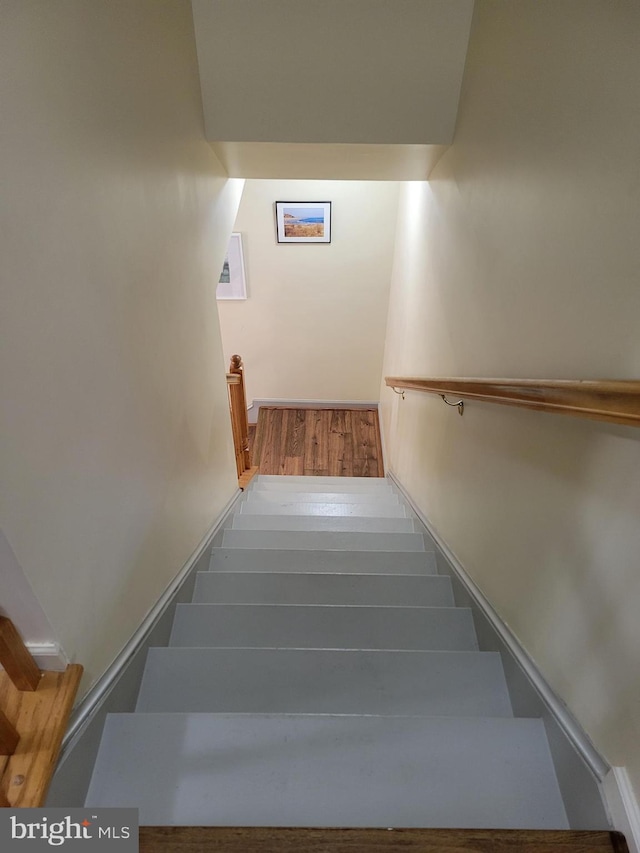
303,221
232,283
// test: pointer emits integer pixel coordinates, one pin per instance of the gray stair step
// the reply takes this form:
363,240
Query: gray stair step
292,560
368,486
338,482
349,524
323,539
322,588
279,497
261,770
313,681
323,627
316,508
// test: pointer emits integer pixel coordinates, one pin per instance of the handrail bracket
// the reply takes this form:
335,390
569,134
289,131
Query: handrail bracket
459,404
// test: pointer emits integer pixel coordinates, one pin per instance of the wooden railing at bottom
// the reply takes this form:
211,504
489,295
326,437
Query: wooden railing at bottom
239,420
198,839
34,711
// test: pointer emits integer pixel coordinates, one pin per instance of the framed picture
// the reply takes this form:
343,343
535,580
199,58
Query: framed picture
232,283
303,221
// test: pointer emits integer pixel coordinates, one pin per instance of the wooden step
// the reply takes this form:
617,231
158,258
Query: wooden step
248,839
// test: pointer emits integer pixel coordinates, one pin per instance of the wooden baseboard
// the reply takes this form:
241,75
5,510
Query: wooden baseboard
197,839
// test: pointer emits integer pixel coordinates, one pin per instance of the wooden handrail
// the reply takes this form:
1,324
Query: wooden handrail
615,401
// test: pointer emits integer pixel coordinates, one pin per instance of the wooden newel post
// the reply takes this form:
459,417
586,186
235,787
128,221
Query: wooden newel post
239,419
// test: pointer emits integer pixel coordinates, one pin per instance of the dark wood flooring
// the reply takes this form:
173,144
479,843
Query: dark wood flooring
198,839
317,442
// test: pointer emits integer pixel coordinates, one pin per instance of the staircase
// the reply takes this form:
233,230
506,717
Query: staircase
322,676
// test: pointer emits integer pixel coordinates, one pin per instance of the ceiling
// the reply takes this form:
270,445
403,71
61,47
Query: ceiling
363,89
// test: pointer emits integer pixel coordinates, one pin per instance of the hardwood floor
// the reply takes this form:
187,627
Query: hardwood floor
318,442
198,839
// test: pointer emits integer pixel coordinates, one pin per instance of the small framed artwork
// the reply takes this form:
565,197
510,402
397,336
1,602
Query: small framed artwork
232,283
303,221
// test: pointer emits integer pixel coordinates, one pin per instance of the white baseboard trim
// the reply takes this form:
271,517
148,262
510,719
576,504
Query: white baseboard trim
91,702
49,656
571,728
254,408
623,806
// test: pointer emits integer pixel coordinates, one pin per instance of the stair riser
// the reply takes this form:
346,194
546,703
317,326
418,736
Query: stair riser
250,770
371,487
292,681
323,540
335,524
292,560
265,496
307,588
323,509
303,627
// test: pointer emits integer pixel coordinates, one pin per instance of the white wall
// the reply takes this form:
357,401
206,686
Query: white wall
18,602
115,440
350,72
521,259
323,161
313,325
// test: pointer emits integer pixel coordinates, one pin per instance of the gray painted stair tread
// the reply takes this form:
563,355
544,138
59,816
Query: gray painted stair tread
323,539
326,680
322,588
313,681
323,627
326,510
265,496
293,560
350,524
260,770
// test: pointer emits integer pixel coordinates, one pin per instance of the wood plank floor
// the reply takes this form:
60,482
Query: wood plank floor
318,442
197,839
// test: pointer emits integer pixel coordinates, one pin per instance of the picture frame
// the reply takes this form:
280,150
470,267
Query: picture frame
232,283
303,221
